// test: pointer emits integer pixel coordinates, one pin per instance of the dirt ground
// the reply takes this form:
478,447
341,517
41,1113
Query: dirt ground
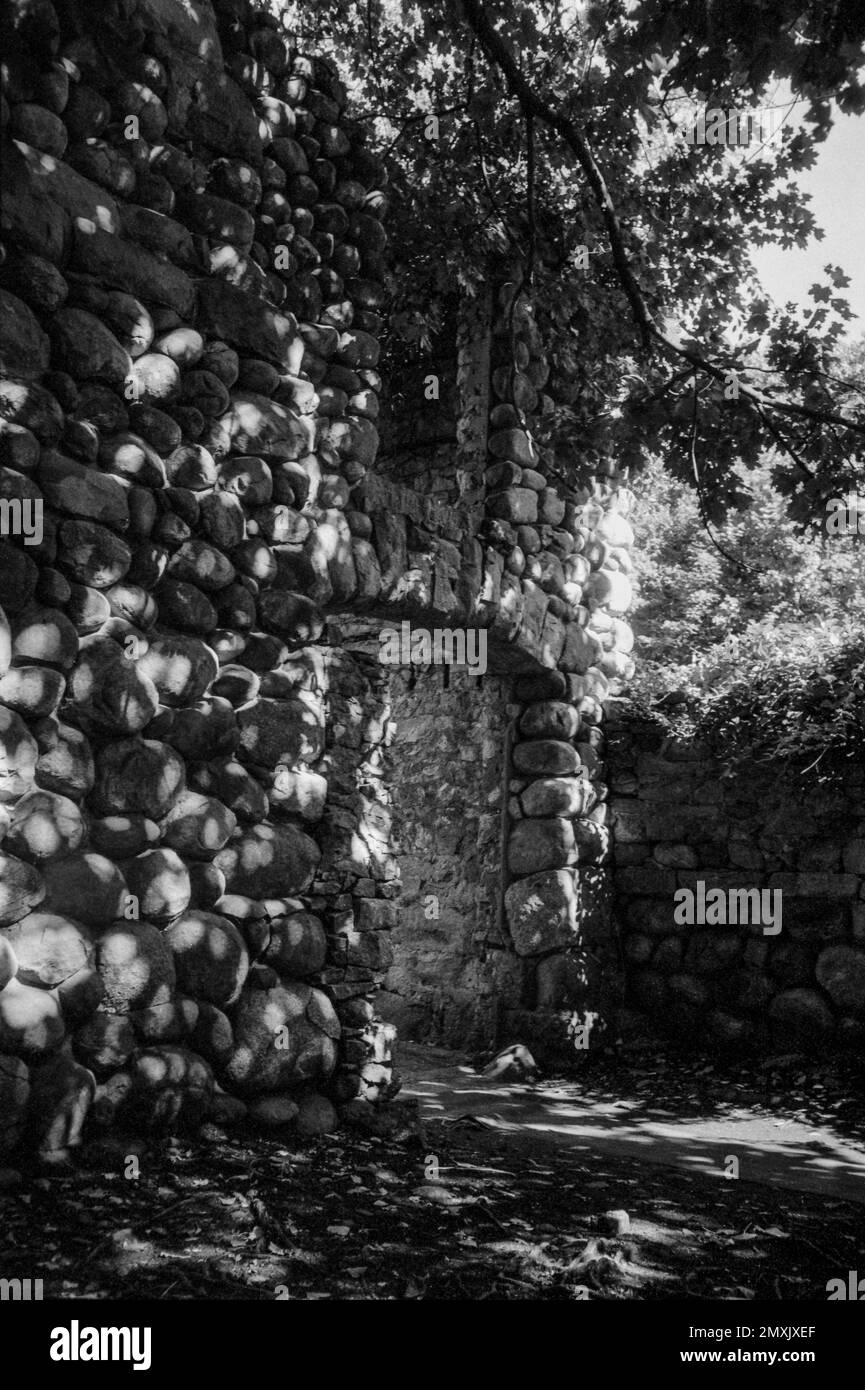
447,1210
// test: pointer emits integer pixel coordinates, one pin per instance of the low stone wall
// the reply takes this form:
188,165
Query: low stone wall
796,982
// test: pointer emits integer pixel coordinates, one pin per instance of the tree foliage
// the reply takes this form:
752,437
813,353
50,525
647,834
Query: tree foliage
761,644
769,592
560,125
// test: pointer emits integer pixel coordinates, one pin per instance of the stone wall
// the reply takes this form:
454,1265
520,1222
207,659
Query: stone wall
421,409
452,974
191,283
197,878
559,567
676,822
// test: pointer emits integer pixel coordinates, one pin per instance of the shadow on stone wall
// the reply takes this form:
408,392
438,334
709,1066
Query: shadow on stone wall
196,885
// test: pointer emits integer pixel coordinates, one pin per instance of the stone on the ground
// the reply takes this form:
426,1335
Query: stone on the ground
615,1223
315,1115
273,1112
514,1063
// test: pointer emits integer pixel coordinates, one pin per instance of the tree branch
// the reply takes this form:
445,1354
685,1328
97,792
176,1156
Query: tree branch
701,499
500,56
787,447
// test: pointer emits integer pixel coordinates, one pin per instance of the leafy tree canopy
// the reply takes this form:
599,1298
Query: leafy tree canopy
757,643
561,125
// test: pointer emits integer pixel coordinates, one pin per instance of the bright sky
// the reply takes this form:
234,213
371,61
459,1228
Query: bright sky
837,185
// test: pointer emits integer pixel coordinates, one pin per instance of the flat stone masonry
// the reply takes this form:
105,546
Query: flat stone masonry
677,822
454,974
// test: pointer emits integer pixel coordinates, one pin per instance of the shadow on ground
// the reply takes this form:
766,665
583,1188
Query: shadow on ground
789,1127
456,1209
